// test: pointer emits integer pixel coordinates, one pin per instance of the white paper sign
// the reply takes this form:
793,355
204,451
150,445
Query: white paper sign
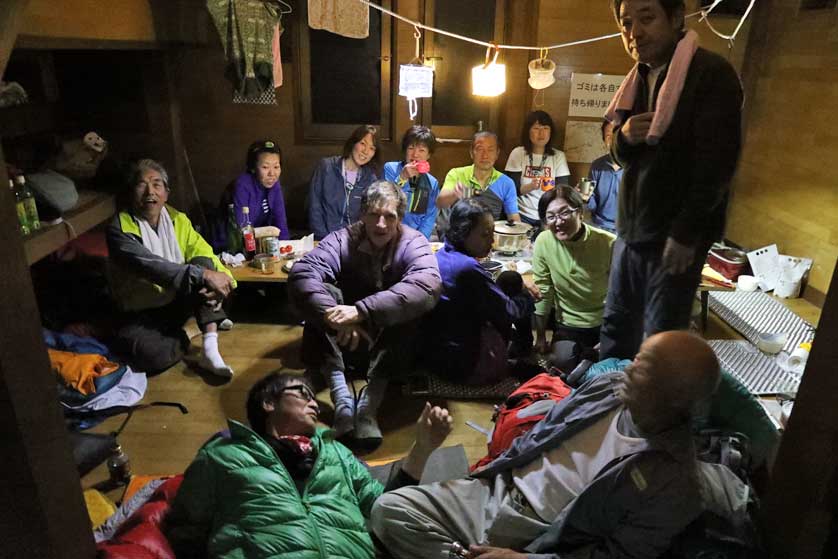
590,94
583,141
416,81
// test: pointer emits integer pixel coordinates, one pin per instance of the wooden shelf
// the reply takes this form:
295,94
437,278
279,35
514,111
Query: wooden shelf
93,208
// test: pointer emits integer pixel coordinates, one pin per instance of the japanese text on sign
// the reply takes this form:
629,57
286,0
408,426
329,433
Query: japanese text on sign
590,94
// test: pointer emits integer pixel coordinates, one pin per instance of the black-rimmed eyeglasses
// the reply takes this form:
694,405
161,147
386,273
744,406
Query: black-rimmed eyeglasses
561,216
300,391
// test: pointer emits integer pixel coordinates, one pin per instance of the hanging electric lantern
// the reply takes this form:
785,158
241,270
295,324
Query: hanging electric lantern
489,79
415,79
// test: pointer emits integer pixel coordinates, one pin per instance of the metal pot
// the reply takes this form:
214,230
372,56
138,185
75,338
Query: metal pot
511,236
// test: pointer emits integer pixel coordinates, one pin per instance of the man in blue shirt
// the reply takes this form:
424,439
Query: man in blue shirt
494,189
607,174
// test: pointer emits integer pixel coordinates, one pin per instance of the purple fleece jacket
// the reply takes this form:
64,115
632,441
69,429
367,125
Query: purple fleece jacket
248,192
403,285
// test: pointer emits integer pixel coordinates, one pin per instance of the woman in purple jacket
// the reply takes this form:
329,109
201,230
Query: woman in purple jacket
259,188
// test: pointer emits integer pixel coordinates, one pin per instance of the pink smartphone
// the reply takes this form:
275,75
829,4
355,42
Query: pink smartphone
423,166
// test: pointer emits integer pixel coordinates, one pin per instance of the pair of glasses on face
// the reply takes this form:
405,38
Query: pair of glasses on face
300,391
561,216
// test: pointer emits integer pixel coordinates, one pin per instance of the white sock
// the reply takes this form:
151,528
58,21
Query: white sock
211,358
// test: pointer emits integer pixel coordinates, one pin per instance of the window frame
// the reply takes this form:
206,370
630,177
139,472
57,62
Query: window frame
311,132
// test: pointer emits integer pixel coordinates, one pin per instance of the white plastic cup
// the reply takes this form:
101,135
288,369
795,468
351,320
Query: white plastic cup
798,357
747,283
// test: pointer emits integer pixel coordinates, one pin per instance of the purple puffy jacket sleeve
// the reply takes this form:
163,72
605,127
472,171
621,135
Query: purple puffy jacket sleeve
309,276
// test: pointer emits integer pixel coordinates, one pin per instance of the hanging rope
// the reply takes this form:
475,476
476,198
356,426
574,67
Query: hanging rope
732,36
417,25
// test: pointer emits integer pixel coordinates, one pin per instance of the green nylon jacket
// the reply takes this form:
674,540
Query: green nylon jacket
237,500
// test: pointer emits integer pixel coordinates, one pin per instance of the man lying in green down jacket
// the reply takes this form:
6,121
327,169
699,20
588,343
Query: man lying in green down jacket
285,488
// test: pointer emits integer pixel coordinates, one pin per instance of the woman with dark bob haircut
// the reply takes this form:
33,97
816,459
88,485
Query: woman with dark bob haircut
477,323
413,175
339,183
536,166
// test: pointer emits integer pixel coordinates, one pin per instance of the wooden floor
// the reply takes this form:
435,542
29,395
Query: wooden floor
162,441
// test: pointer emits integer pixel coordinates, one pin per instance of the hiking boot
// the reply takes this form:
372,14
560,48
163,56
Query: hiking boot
344,422
368,435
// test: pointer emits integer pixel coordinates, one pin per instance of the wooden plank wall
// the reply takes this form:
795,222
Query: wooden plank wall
563,21
784,191
217,132
125,20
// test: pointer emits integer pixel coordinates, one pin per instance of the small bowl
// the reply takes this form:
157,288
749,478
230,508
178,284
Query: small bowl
772,343
747,283
493,267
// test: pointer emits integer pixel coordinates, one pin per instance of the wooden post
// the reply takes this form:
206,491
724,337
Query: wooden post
798,507
43,513
167,134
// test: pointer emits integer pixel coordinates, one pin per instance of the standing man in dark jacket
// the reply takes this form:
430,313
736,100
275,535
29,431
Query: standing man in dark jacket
361,291
674,192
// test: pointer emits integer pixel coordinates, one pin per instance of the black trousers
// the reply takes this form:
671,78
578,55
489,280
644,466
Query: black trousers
643,299
391,353
153,340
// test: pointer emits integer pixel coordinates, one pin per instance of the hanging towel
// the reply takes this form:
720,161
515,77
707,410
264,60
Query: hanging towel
349,18
277,56
668,96
79,369
246,29
163,242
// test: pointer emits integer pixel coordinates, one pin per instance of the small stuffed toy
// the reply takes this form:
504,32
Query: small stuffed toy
80,158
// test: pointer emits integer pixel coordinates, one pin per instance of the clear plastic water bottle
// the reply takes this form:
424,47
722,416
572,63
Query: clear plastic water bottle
29,204
20,207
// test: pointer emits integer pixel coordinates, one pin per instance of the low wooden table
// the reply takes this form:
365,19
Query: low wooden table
248,273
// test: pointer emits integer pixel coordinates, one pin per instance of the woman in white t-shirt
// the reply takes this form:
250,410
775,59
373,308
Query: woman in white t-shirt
536,166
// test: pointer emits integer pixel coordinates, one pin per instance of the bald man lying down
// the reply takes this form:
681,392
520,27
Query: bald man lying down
611,471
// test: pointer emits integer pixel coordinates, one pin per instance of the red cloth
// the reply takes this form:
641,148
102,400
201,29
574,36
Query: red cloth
140,536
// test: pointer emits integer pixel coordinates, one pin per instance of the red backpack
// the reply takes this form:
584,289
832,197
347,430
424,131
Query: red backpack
522,409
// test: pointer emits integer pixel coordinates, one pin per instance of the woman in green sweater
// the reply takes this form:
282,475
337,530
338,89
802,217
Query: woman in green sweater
571,261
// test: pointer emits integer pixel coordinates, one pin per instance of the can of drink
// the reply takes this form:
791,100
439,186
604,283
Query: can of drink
270,246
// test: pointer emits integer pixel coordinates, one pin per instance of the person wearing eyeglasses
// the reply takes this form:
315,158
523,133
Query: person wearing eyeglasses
338,183
361,292
284,487
571,263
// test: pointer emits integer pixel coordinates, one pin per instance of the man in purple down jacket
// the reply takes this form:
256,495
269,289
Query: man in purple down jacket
361,292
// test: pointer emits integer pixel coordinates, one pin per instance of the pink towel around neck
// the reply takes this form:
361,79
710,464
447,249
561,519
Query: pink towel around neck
668,95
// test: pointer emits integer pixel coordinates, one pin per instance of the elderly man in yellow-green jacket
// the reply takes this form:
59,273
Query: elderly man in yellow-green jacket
162,272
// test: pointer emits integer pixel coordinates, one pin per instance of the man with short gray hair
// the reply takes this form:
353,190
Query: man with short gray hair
360,291
162,272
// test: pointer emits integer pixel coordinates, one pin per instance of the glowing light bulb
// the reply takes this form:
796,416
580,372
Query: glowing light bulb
488,80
